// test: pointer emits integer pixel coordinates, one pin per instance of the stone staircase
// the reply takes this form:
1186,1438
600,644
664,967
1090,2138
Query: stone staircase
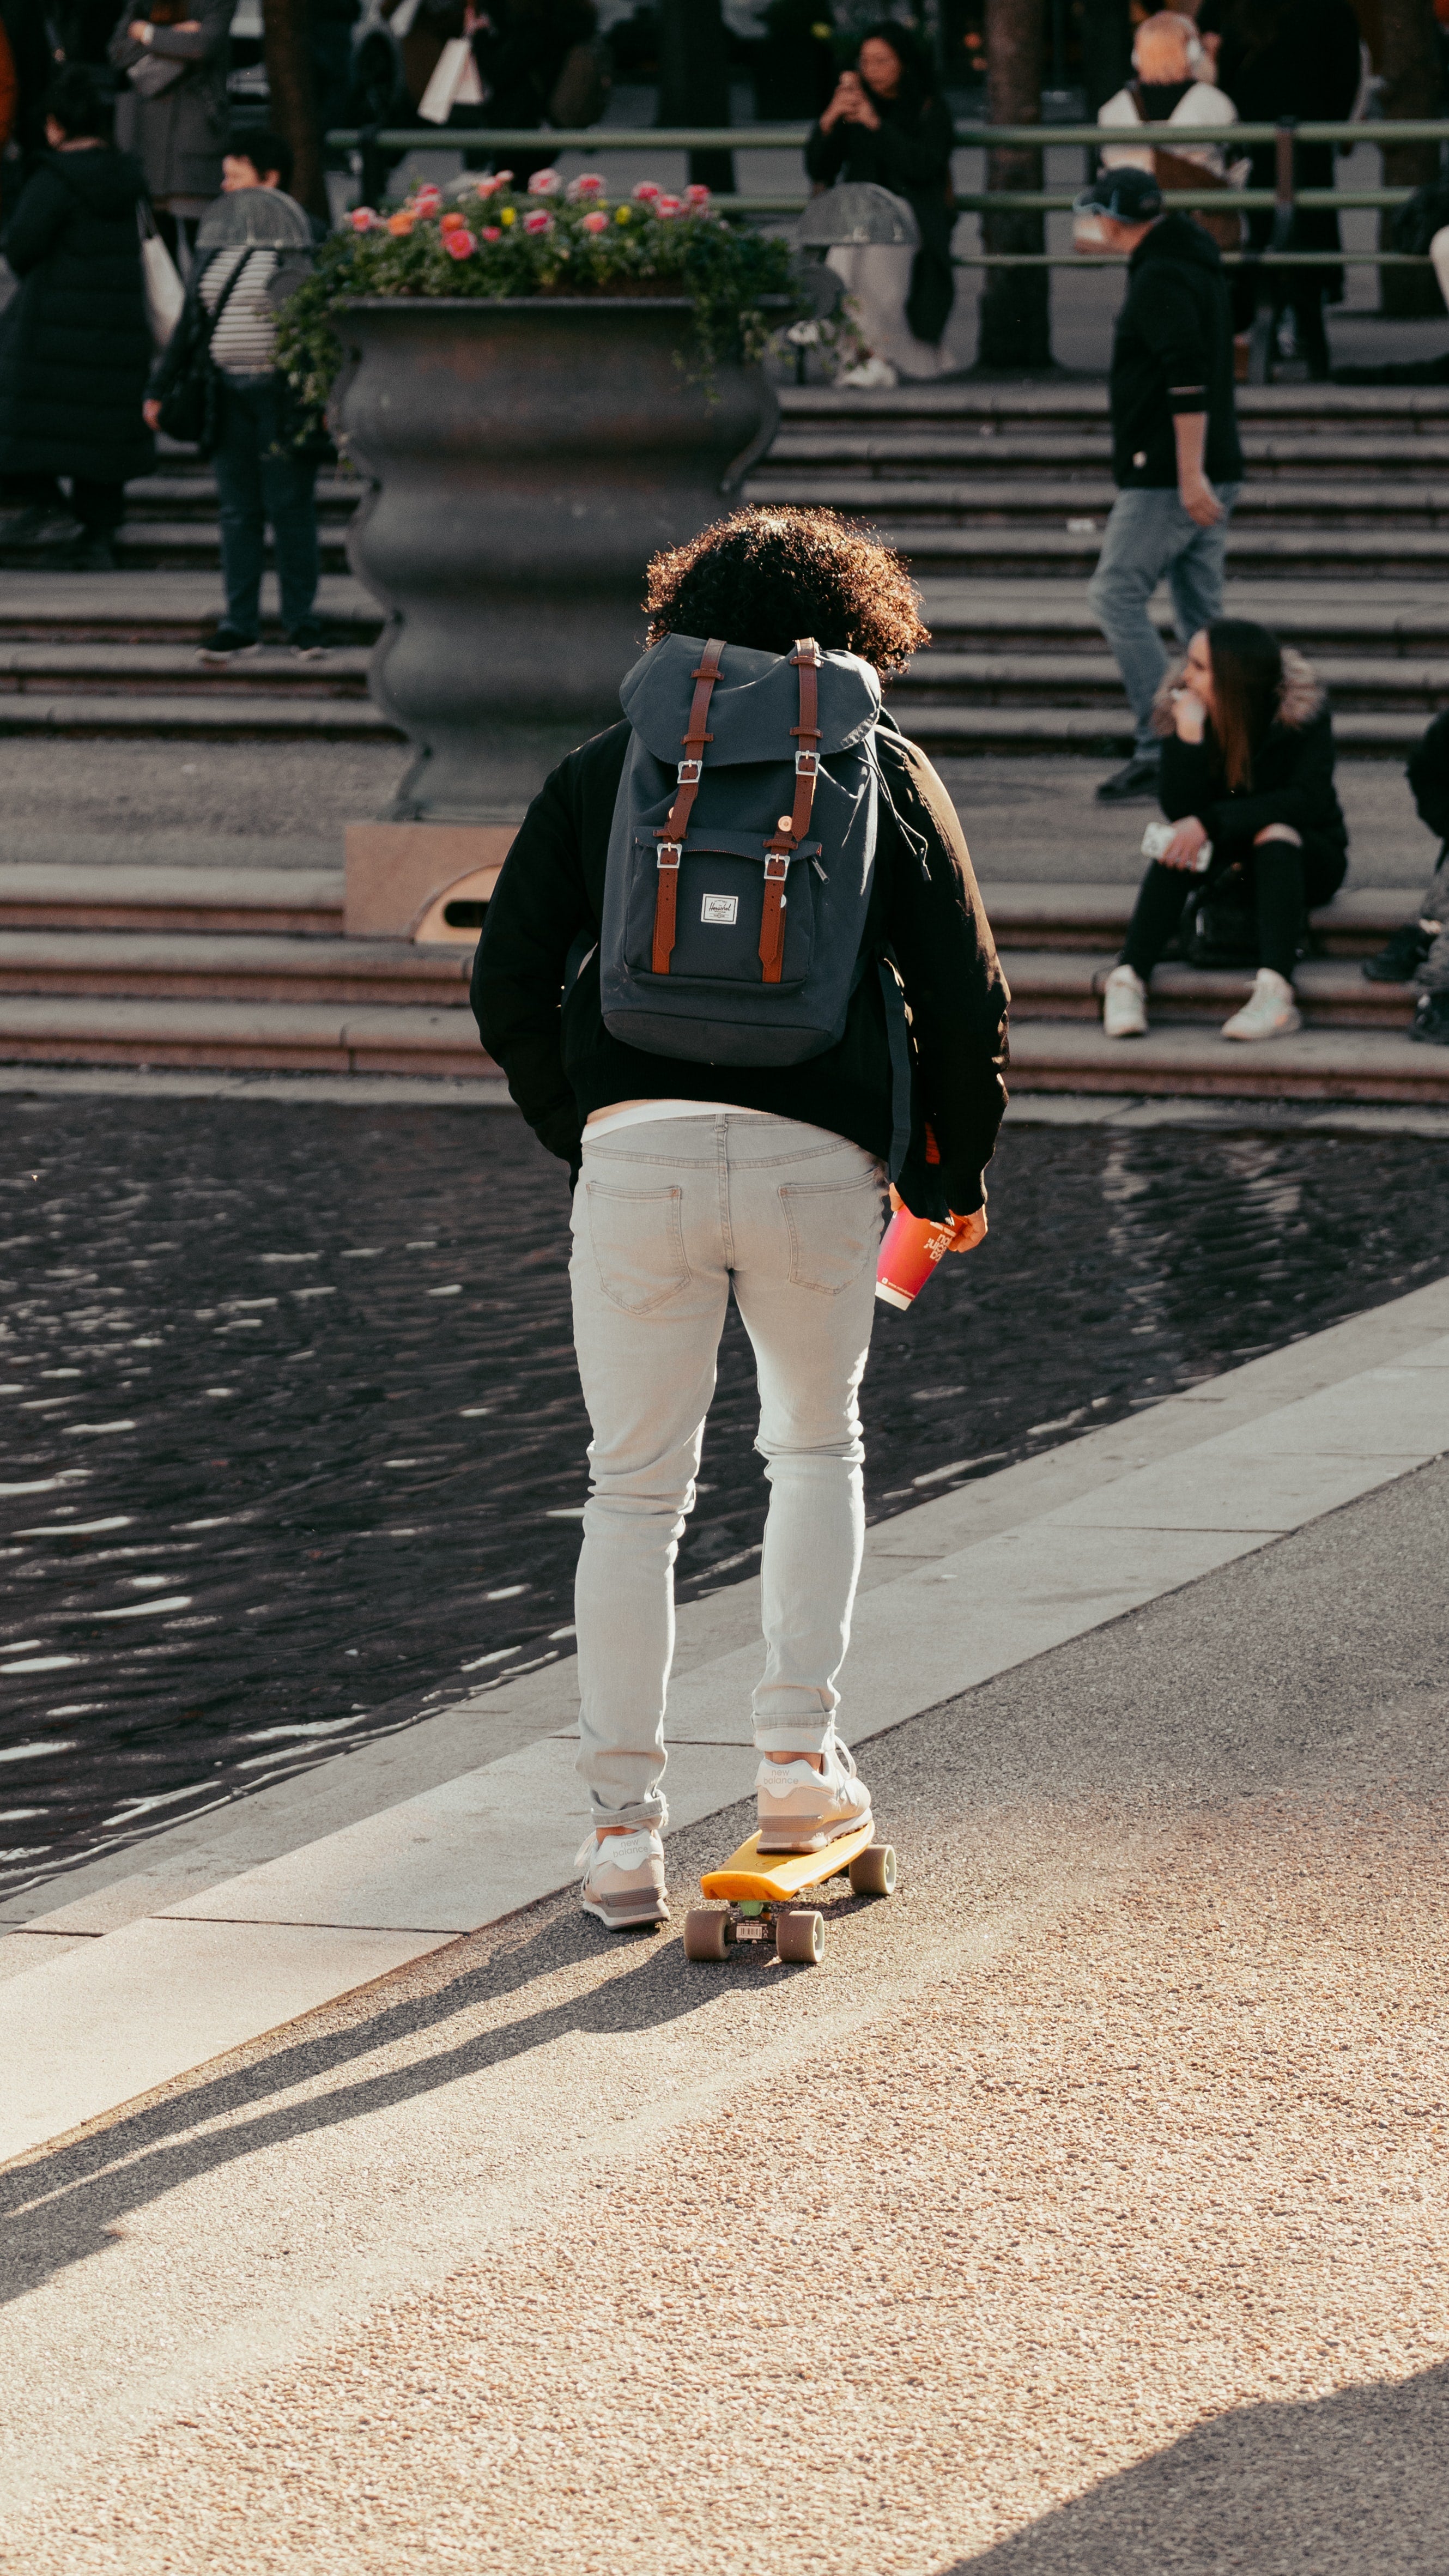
998,494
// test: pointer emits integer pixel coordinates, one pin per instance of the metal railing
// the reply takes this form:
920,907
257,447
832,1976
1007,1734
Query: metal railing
1282,200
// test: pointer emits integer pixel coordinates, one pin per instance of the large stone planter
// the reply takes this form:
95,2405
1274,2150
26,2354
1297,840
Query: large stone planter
526,457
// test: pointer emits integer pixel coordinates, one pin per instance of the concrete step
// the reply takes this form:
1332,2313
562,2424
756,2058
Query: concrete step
935,547
248,714
980,499
301,903
182,544
281,1037
174,607
1091,919
1012,678
1359,1065
987,448
232,967
172,495
1100,731
151,669
1314,616
1311,409
1048,984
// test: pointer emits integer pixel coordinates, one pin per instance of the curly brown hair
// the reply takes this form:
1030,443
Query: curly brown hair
767,575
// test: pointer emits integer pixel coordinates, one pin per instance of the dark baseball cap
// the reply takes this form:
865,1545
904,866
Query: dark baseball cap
1131,195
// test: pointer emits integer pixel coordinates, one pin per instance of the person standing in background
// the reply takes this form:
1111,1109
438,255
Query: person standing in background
1175,454
75,343
888,125
172,110
261,477
1290,58
1170,87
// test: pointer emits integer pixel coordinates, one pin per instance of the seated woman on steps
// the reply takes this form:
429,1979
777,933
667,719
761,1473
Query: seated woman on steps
1247,771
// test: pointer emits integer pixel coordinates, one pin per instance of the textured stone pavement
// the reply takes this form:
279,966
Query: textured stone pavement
1085,2211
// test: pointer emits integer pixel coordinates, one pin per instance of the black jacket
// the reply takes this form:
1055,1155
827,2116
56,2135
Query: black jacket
1292,782
1429,776
1172,351
75,344
1304,63
909,153
561,1062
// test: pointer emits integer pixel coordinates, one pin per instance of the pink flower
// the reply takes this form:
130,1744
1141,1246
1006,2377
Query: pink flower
427,201
588,184
538,222
545,183
491,232
496,179
664,207
645,193
460,243
596,222
363,219
696,198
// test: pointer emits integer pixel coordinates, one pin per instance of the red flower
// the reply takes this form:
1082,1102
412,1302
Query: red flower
596,223
588,184
491,232
664,207
460,244
696,197
646,192
362,219
538,222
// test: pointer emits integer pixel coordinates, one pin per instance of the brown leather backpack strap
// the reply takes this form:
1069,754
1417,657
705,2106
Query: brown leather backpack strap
792,827
671,832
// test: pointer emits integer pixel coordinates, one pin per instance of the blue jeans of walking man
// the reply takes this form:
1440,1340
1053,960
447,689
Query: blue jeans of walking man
1150,534
259,480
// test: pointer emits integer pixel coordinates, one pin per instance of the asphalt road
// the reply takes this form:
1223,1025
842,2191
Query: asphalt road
1086,2211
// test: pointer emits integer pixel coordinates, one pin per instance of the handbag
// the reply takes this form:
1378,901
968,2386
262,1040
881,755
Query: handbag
188,406
1174,170
1220,923
165,294
155,73
455,83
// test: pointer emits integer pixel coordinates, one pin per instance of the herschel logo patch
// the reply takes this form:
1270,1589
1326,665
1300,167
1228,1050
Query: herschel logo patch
723,908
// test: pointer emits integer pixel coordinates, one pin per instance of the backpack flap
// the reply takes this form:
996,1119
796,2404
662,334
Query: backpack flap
740,863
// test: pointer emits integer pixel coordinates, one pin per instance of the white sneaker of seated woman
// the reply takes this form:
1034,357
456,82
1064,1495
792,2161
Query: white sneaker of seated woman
1124,1004
1269,1011
871,371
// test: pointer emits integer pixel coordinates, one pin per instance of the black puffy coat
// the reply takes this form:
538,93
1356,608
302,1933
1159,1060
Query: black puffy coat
75,344
909,152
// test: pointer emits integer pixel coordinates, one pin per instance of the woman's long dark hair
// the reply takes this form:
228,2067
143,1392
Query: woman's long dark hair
917,83
1247,679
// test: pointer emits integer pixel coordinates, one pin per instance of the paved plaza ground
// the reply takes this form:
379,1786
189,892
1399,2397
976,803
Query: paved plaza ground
1084,2212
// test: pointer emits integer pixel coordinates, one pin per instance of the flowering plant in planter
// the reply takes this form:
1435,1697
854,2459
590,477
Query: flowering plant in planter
484,238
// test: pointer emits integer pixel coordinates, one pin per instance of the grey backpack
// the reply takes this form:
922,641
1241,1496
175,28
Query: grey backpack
742,853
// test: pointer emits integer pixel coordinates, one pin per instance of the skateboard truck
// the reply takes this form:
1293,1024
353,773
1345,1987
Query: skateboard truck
759,1891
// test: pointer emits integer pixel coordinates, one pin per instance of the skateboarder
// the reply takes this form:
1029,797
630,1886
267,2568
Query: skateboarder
698,1171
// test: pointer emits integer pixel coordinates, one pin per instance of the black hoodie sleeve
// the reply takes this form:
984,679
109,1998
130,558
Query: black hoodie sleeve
539,906
955,990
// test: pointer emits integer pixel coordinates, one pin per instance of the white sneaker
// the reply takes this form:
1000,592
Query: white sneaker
800,1809
1124,1004
1270,1010
623,1878
871,371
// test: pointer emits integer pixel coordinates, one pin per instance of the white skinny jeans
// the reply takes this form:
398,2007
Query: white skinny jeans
667,1218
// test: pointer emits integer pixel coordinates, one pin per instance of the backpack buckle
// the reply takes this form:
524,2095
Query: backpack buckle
807,764
669,853
777,866
690,772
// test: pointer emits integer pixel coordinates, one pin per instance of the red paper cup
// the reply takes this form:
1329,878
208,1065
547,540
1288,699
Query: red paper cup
910,1249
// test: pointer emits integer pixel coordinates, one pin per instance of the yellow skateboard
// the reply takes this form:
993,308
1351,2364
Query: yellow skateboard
759,1891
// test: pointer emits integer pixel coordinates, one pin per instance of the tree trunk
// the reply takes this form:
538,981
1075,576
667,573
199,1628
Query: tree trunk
1410,70
694,82
1015,303
293,98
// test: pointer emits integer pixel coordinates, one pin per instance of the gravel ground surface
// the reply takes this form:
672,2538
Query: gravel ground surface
1085,2211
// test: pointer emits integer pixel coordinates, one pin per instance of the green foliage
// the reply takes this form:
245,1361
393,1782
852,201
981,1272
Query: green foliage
482,239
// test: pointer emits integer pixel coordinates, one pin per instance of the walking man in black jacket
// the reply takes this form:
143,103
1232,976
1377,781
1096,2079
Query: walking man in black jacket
1175,454
696,1180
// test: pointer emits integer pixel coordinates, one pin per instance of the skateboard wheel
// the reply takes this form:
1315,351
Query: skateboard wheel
707,1935
873,1871
799,1936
